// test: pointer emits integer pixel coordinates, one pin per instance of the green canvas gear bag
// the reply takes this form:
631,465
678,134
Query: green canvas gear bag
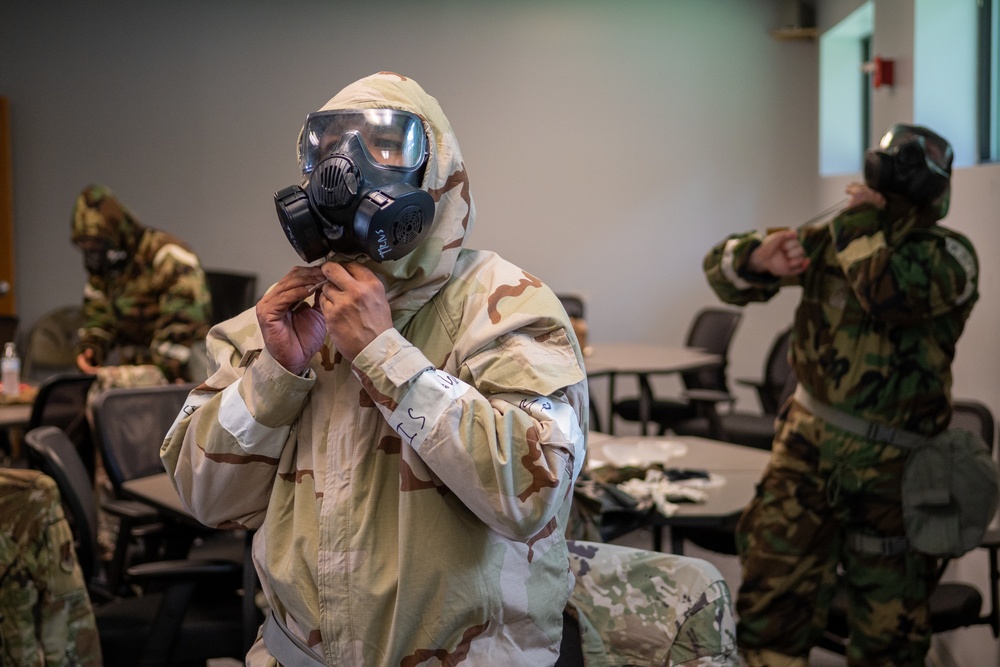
950,491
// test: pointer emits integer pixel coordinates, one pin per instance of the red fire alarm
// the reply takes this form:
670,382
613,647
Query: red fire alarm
881,70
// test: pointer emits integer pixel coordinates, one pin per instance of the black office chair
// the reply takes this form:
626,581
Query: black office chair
129,426
953,604
575,307
711,330
232,293
62,401
777,367
8,329
573,304
188,611
51,342
743,427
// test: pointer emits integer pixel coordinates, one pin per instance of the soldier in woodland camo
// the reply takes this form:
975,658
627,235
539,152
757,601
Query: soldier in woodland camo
146,297
886,292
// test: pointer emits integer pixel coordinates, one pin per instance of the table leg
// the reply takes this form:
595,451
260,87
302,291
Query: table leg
611,404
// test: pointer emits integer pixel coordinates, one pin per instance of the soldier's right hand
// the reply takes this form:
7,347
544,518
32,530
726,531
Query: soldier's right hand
86,362
780,254
293,331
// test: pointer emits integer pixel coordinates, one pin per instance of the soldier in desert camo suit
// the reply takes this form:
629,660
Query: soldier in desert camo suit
45,615
146,295
886,292
406,449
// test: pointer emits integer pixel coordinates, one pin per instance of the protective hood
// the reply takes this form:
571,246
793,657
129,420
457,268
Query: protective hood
98,213
411,281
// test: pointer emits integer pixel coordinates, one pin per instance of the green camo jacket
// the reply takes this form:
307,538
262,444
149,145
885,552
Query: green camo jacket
156,305
884,301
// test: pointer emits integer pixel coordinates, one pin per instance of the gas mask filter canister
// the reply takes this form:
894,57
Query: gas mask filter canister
361,195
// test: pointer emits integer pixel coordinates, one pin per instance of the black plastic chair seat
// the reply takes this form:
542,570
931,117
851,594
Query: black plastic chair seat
660,411
951,603
750,430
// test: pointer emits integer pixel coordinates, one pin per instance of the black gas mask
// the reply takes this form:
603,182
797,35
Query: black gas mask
362,191
99,258
910,161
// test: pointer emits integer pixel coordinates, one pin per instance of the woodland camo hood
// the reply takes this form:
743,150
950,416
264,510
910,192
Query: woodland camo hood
98,214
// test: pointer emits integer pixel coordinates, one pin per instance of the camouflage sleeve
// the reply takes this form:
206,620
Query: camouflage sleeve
725,267
651,609
902,272
504,437
184,308
100,326
47,617
224,450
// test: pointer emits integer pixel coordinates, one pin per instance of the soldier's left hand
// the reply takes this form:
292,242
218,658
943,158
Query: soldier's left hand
860,193
354,305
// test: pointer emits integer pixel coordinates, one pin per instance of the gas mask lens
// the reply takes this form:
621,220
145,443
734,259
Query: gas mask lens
918,150
391,138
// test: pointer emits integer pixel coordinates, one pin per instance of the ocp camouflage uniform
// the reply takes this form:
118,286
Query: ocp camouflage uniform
638,607
45,613
410,508
884,301
157,306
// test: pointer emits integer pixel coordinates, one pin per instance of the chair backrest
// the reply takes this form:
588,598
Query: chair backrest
232,293
712,330
51,451
573,305
8,329
130,425
62,402
776,372
50,344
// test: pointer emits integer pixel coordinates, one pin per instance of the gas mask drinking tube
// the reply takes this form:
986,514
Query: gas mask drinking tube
362,191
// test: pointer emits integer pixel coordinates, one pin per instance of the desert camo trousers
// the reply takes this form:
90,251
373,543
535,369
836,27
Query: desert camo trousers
821,485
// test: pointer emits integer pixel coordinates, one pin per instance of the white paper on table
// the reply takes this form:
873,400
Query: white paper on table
642,453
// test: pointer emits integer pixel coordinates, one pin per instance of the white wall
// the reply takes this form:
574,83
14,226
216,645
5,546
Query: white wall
609,145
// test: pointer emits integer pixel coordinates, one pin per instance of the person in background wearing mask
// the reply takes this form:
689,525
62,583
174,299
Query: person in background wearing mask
403,424
886,292
146,297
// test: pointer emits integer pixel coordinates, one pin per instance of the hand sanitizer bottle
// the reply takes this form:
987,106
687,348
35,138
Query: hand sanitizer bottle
11,370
